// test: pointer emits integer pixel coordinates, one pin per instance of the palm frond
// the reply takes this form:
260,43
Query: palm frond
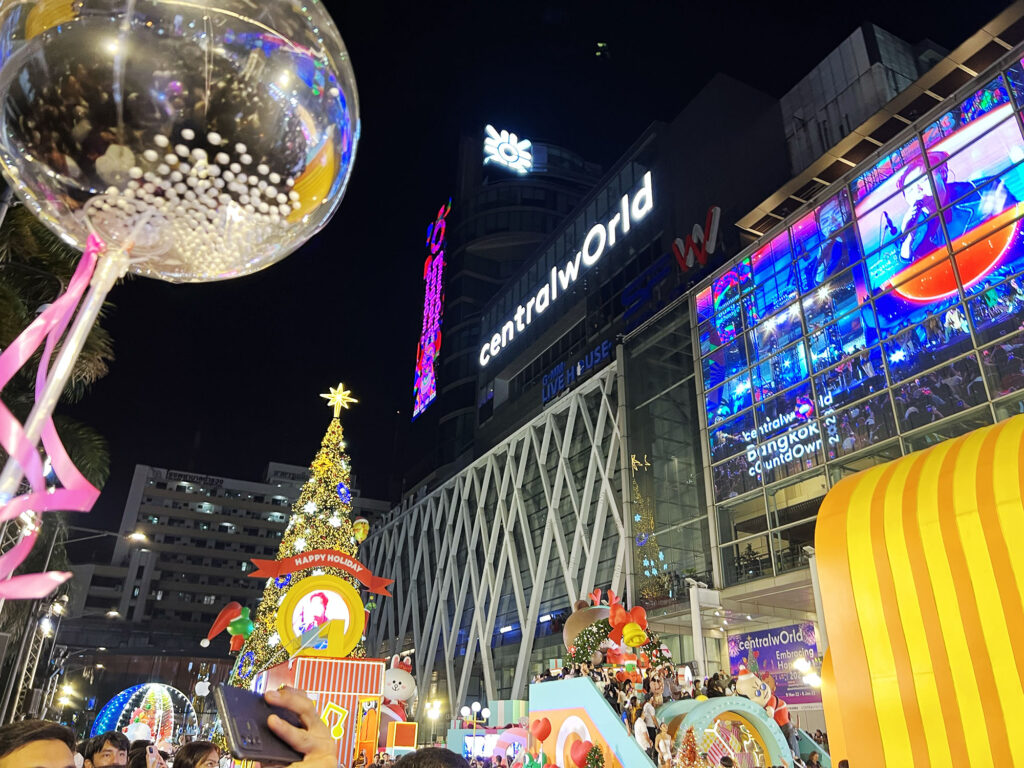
87,448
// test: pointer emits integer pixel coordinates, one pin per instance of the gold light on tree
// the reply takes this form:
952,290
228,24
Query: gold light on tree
321,519
653,576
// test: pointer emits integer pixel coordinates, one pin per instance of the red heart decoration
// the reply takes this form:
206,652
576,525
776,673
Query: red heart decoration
578,752
541,728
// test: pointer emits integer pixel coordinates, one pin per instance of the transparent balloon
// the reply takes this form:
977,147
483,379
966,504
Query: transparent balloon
214,137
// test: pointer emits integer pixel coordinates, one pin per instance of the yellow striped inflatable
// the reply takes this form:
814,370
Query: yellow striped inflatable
922,580
47,14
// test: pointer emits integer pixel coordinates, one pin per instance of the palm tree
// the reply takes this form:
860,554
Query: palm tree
35,268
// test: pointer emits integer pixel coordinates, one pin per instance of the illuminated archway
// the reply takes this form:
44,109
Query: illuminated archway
165,709
764,732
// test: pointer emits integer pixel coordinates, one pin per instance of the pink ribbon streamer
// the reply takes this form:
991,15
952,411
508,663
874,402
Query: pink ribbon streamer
76,494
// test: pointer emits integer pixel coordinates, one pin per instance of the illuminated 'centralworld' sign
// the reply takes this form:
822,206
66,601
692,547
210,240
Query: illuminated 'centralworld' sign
425,384
601,237
507,149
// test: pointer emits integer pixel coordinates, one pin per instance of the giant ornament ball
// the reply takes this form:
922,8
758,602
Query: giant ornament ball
213,137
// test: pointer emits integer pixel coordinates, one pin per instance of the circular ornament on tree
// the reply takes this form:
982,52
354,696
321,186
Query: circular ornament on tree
246,662
214,137
360,529
314,602
344,493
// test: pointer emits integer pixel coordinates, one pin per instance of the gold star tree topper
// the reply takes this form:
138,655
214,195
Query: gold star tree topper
338,398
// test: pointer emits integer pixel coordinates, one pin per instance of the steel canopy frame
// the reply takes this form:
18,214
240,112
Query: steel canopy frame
484,506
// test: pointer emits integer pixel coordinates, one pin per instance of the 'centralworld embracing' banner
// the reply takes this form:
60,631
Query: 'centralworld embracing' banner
321,558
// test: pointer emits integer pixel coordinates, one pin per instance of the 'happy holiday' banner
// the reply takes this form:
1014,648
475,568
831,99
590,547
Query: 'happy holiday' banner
322,558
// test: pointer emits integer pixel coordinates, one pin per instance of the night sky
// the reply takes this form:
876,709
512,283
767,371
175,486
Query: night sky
222,378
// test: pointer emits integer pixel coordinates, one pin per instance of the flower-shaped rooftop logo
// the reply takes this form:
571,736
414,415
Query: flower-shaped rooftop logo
507,149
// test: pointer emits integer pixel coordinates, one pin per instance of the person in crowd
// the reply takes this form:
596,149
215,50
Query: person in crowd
673,689
650,719
80,749
643,736
147,757
714,687
634,711
726,762
611,695
663,746
36,743
623,696
813,760
107,749
730,685
431,757
197,754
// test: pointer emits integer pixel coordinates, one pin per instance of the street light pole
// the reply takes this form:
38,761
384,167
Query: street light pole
433,712
34,636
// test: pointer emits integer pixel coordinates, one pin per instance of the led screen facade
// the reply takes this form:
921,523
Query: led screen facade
429,347
894,305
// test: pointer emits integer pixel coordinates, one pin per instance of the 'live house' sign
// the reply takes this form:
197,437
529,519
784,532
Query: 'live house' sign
565,374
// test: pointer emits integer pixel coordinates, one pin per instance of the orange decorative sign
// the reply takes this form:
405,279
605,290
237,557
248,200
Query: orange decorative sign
322,558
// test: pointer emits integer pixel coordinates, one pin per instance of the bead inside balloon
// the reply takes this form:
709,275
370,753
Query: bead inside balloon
119,117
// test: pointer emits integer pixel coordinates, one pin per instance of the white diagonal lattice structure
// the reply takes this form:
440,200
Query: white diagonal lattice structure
526,530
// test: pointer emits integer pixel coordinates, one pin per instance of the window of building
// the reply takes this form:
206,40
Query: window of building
912,330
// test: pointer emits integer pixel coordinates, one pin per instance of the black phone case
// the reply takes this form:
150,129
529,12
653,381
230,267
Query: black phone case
243,715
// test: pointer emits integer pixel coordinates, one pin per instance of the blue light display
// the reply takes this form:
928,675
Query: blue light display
107,718
245,663
344,493
858,320
115,713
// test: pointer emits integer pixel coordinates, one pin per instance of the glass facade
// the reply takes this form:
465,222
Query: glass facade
885,319
668,510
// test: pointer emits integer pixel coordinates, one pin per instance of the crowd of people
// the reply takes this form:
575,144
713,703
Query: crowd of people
488,762
637,697
45,744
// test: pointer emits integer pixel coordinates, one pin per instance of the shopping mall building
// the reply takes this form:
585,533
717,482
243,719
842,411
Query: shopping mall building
758,299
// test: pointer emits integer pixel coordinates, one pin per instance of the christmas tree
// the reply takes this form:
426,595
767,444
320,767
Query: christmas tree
688,756
320,520
654,580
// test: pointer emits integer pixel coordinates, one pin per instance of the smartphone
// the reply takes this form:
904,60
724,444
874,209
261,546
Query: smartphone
243,715
153,758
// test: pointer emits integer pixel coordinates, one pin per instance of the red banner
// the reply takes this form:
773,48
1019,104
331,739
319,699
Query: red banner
322,558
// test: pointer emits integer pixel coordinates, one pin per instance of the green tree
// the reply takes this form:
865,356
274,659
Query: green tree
320,520
35,268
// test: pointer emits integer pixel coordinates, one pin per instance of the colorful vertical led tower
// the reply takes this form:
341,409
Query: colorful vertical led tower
425,384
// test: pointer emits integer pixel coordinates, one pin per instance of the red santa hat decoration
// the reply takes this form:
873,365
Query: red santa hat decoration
235,619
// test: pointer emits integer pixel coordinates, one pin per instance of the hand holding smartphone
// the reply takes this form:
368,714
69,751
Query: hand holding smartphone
282,728
244,715
153,758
